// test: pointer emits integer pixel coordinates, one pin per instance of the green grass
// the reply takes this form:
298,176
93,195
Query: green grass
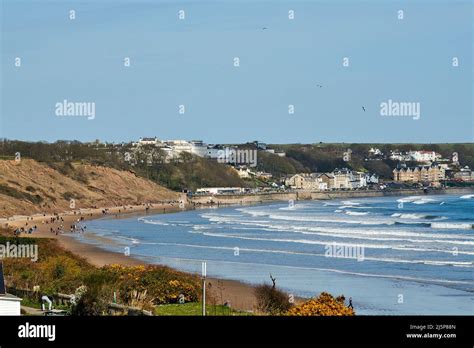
13,192
27,302
195,309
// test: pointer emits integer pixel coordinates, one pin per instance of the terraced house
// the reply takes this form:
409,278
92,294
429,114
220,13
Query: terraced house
338,179
420,174
303,181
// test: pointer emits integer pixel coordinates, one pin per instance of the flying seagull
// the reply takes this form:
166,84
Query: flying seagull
264,28
363,108
320,86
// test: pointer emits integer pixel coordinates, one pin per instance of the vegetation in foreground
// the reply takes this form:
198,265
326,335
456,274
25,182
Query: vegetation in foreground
158,289
195,309
323,305
273,301
59,271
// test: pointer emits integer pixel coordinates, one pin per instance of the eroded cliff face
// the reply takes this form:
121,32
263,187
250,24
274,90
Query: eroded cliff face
28,187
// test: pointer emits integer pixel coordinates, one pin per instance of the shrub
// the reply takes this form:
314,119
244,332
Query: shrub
94,301
324,305
162,284
30,188
68,195
272,300
58,270
13,192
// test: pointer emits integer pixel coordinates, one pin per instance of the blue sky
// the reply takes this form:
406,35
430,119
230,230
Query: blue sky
190,62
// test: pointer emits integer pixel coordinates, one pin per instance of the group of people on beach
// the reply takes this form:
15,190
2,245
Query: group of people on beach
25,229
73,228
56,218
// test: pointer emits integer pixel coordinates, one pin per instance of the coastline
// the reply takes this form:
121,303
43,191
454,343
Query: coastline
239,294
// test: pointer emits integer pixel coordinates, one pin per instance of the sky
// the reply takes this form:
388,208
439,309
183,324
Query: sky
292,64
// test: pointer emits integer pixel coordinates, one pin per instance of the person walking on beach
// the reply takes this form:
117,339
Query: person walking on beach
350,303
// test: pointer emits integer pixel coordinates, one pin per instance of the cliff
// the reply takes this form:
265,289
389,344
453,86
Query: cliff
28,187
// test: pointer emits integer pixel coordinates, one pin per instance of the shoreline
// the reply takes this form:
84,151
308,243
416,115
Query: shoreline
238,293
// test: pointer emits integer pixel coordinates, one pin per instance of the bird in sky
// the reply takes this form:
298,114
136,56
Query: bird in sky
264,28
320,86
363,108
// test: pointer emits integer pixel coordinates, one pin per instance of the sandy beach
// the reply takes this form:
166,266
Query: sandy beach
239,294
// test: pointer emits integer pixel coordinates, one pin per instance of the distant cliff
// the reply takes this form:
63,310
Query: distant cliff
28,187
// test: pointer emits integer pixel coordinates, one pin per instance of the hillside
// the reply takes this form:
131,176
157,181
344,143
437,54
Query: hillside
29,187
187,172
191,172
326,157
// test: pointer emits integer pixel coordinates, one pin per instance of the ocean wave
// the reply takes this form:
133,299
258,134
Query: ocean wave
296,206
409,199
354,207
414,223
378,235
153,222
344,232
289,252
371,275
331,204
350,203
467,197
317,242
367,222
295,218
356,213
134,241
452,225
425,201
418,216
417,200
251,212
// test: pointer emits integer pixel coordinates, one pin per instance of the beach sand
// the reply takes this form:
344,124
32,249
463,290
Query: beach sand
240,295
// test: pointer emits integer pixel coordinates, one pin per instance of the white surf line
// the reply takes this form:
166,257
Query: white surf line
362,235
414,279
305,241
356,232
352,232
427,262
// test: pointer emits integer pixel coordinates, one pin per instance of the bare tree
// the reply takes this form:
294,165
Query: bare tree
273,281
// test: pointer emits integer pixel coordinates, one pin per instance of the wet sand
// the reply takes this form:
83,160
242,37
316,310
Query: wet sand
240,295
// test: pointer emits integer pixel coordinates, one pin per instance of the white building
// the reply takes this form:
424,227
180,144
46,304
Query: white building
375,152
343,179
198,148
361,179
399,156
9,304
424,156
148,141
465,174
214,151
219,190
264,175
244,173
178,146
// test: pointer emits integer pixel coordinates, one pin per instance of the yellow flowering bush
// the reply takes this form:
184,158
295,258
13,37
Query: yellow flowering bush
324,305
162,284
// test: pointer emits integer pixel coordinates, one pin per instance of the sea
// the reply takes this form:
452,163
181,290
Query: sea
392,255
